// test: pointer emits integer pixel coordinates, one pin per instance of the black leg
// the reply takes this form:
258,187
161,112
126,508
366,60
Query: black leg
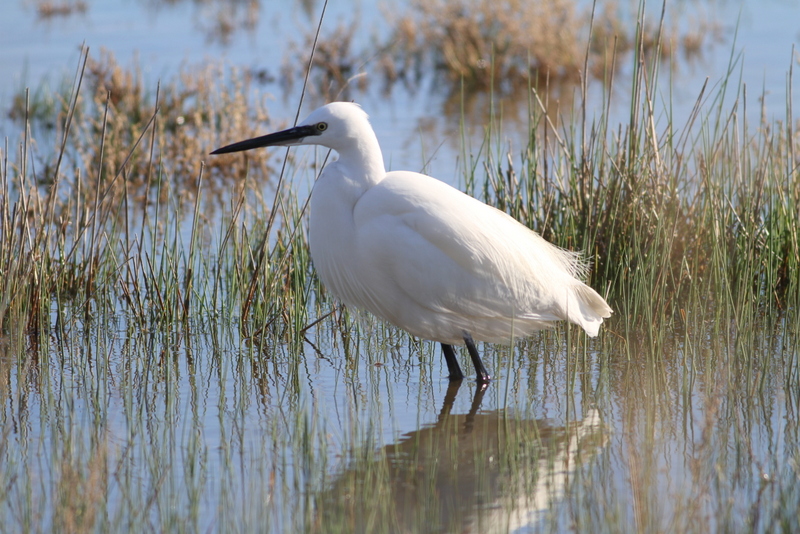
452,362
480,370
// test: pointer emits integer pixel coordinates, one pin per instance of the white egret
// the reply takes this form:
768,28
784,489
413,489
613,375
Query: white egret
424,256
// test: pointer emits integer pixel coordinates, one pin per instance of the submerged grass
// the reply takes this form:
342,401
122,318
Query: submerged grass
170,362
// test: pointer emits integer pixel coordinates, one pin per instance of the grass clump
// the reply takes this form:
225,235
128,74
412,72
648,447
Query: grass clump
105,210
175,124
477,41
702,216
47,9
475,46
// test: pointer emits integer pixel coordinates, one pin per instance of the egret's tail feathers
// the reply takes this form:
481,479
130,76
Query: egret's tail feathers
588,309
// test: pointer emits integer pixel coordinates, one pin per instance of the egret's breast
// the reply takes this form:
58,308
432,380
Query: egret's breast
333,235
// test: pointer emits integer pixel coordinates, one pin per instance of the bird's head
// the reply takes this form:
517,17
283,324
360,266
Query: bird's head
329,126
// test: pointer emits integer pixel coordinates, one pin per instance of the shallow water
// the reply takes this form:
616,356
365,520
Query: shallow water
192,426
413,127
195,429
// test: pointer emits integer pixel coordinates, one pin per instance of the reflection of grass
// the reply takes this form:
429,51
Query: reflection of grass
161,370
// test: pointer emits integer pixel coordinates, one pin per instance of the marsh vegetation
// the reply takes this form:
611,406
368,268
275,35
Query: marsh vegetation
169,361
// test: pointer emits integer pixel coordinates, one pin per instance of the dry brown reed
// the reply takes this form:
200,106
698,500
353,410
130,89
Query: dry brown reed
119,150
336,69
504,44
158,135
472,47
47,9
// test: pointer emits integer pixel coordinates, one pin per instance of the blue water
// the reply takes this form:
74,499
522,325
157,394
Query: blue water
412,129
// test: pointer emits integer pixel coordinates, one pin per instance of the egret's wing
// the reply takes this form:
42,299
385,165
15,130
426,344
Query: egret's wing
452,254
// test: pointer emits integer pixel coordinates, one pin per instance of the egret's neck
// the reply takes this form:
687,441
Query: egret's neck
363,158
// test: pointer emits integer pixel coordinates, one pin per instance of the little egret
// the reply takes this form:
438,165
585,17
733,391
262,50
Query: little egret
424,256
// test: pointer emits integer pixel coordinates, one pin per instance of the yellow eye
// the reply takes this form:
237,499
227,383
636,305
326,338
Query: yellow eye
322,126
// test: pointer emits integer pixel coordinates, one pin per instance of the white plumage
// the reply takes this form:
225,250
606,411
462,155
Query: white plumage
425,256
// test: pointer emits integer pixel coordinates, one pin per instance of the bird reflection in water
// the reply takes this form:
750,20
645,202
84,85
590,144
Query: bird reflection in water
475,472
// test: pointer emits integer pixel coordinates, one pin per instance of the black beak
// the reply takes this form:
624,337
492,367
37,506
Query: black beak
283,138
